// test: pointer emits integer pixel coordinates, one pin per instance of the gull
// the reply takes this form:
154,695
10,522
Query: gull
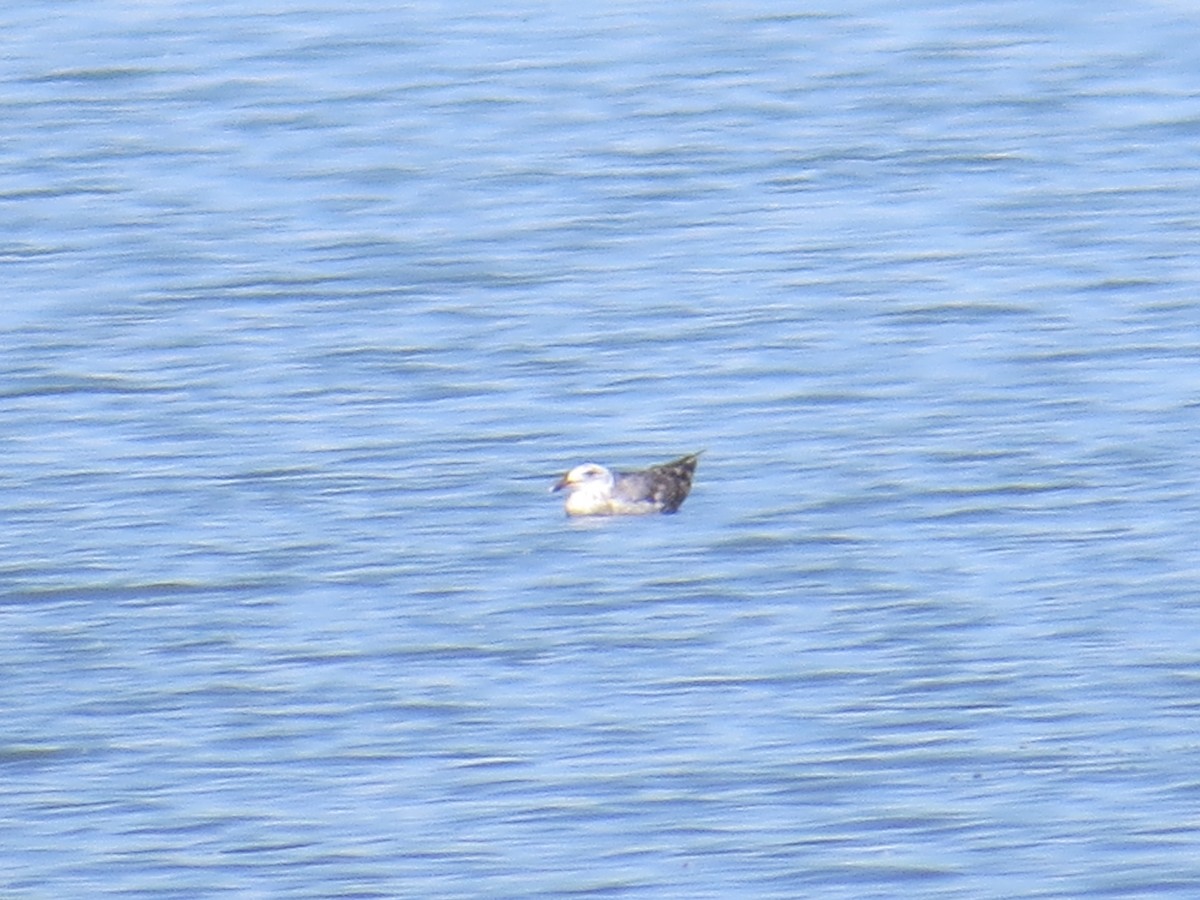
597,491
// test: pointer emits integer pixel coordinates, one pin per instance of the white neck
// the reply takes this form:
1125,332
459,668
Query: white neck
590,499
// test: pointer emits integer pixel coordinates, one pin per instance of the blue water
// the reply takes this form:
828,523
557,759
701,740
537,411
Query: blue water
306,308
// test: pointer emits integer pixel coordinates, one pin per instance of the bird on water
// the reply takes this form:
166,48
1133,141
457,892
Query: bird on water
594,490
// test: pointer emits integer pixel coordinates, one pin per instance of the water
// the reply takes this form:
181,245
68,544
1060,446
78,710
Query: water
306,309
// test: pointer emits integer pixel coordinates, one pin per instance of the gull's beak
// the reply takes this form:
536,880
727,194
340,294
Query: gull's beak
561,483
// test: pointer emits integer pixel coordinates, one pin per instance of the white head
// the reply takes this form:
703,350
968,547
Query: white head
590,486
584,476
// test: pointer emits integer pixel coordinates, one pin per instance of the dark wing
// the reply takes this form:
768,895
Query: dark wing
665,486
